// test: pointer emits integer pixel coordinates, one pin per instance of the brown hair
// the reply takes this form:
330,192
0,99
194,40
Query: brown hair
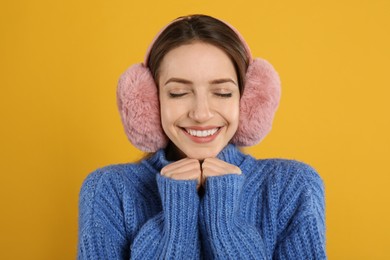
202,28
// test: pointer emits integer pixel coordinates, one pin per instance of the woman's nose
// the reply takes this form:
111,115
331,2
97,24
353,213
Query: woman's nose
200,110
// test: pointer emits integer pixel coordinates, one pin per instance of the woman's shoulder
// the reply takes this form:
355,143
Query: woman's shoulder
290,166
101,180
286,172
112,173
110,177
120,178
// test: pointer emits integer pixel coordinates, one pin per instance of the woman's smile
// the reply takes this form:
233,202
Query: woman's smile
202,134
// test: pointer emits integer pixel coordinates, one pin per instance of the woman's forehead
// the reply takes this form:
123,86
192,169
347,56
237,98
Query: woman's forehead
197,61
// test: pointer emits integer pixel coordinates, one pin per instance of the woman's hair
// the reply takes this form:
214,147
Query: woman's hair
200,28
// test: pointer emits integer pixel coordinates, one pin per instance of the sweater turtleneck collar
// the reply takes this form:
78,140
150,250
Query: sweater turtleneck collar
230,154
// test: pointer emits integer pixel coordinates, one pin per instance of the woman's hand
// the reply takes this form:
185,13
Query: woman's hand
192,169
217,167
185,169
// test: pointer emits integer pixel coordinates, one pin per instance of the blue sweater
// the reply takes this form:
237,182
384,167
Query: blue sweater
274,210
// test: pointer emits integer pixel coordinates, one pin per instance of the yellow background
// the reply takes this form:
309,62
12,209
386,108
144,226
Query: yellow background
60,61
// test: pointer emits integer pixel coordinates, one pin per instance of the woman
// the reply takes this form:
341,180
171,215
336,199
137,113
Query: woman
197,97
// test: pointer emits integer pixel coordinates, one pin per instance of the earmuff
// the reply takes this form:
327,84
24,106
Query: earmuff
139,108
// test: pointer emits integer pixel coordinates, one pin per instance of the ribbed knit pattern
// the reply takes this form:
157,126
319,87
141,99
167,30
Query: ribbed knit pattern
273,210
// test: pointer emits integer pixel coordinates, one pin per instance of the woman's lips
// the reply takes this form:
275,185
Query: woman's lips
201,134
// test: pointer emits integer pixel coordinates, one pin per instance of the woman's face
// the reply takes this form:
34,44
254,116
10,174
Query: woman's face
199,99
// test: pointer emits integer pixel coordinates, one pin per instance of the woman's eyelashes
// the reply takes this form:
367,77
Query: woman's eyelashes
177,95
183,94
224,95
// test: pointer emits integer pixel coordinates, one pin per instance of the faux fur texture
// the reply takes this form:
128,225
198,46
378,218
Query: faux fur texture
258,104
138,104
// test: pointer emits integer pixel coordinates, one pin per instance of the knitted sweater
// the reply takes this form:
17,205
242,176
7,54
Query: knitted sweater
273,210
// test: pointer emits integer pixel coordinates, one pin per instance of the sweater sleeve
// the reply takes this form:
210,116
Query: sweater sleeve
302,218
224,234
173,233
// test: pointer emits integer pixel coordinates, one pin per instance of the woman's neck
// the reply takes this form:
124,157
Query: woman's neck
172,153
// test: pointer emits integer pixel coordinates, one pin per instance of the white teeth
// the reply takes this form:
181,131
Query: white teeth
203,133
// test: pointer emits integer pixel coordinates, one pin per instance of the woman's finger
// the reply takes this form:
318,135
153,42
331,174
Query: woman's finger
180,166
185,169
216,167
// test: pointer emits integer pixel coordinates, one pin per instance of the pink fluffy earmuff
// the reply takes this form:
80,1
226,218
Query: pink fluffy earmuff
138,103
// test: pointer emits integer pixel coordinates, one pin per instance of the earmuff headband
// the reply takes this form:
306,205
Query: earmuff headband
246,46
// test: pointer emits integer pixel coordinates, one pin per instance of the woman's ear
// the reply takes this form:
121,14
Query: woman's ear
258,103
139,108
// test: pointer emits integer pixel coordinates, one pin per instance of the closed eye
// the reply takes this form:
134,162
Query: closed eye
224,95
176,95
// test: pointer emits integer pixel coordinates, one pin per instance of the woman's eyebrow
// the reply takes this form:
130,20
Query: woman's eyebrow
212,82
221,81
178,80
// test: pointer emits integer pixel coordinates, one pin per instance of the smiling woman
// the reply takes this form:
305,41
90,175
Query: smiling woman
199,96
